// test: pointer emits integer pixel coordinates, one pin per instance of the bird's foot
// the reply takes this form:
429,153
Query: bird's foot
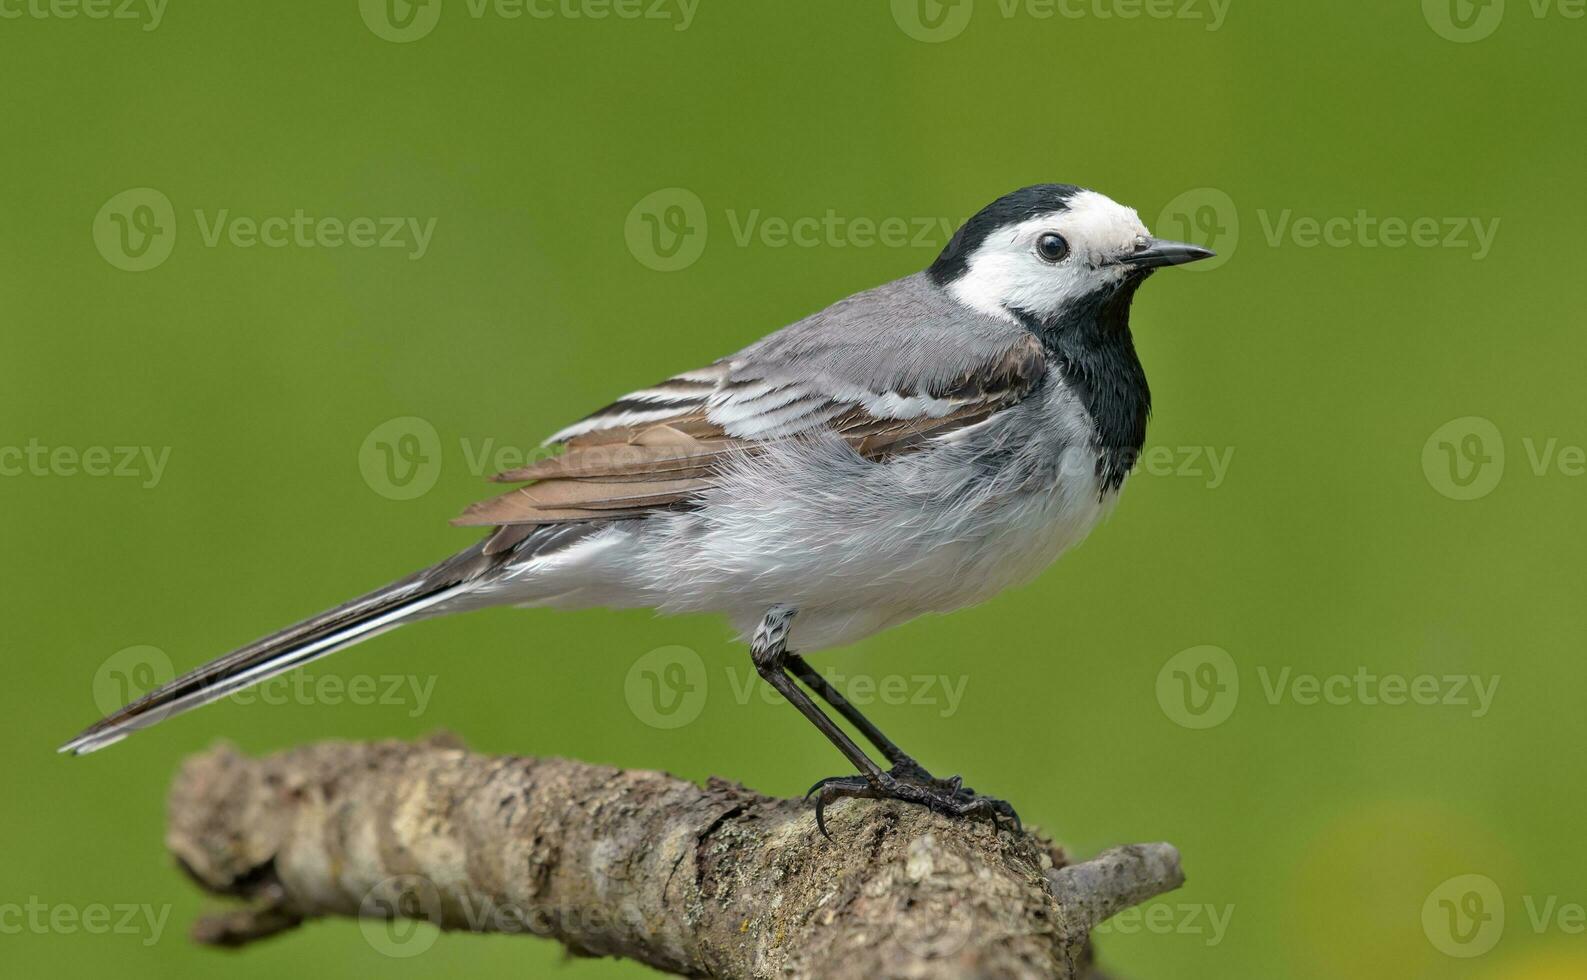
911,783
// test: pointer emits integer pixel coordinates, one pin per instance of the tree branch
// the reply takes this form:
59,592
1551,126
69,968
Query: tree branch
709,882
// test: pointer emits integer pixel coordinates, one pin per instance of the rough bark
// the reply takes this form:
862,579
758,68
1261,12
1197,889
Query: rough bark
710,882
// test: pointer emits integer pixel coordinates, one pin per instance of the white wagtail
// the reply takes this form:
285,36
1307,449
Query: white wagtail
914,448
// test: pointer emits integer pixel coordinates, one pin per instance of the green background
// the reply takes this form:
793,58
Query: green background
1327,548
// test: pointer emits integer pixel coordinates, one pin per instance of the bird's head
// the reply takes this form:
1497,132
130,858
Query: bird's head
1045,249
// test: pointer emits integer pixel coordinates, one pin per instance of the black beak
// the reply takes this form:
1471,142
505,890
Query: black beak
1154,253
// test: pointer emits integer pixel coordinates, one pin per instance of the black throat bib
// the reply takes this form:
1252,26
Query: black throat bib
1091,345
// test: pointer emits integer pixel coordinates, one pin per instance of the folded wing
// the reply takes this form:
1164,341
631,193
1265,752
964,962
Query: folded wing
661,447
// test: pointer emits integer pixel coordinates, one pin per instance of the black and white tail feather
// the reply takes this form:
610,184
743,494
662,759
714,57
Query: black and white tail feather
336,629
422,594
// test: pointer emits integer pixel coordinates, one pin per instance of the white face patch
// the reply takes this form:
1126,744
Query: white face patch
1006,272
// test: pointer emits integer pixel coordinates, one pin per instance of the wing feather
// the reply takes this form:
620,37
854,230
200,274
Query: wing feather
661,447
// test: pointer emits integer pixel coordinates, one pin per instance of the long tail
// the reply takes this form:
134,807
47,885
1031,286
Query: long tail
352,622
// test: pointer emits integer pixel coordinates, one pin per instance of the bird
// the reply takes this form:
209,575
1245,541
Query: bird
914,448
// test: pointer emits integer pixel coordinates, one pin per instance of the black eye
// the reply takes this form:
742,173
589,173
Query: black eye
1052,247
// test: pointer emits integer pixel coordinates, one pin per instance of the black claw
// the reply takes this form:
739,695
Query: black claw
837,787
912,784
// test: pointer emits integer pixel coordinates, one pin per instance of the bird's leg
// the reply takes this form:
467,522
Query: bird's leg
908,781
769,650
901,762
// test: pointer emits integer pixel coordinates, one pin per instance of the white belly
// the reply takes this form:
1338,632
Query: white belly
855,546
